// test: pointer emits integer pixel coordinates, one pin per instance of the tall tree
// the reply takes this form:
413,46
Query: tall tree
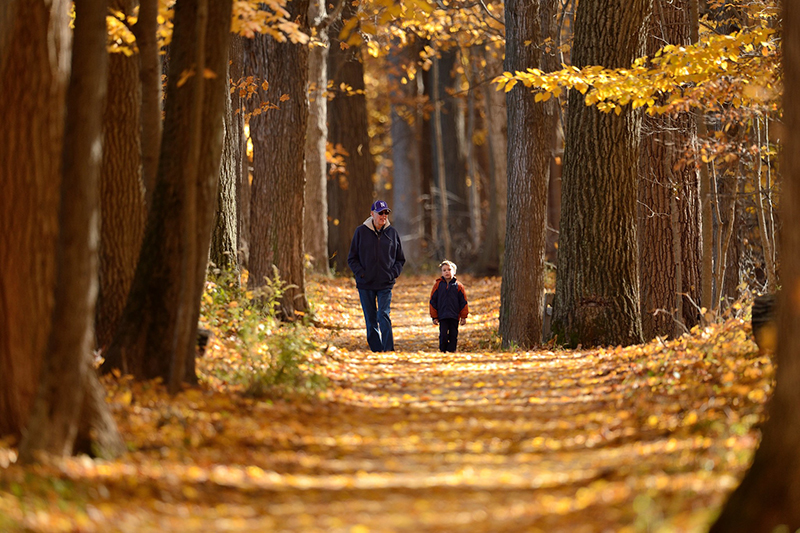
669,200
407,177
531,130
150,78
315,217
34,47
449,162
276,228
489,260
767,498
349,194
597,283
158,326
232,170
68,372
122,191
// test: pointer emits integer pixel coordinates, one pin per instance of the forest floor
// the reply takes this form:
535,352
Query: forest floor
644,438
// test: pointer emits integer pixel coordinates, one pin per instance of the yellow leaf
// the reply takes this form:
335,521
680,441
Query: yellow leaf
184,77
757,395
126,398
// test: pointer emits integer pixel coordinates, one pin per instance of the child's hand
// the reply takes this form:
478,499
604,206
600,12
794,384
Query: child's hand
463,321
435,321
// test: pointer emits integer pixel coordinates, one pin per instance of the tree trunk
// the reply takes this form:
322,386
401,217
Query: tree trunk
473,168
706,214
315,217
531,129
276,228
408,206
427,173
145,31
405,130
33,78
767,498
489,259
160,318
669,201
224,239
554,196
54,421
122,193
764,230
443,219
726,267
350,195
597,284
451,197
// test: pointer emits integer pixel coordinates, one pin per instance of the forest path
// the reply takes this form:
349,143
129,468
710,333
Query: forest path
638,439
494,441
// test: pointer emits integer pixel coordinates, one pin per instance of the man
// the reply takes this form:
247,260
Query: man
376,259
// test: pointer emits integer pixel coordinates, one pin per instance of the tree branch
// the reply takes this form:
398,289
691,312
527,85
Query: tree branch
483,5
323,24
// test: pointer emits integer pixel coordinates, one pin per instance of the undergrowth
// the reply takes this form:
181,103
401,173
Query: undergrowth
254,351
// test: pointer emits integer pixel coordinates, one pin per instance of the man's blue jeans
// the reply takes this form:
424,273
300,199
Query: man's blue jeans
377,316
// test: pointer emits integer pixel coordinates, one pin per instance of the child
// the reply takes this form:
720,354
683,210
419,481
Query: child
448,306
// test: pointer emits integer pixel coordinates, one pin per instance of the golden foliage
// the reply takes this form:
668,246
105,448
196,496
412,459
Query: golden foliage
738,70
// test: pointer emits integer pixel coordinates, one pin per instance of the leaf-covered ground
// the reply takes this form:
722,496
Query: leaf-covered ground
645,438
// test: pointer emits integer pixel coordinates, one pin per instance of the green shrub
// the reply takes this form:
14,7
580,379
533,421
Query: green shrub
270,358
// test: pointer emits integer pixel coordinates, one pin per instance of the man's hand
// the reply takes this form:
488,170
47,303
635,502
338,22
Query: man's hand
463,321
435,321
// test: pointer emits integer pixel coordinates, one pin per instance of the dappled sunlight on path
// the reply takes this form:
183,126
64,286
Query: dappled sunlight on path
633,439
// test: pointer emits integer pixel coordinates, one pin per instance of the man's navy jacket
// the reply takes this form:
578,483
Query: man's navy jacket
376,257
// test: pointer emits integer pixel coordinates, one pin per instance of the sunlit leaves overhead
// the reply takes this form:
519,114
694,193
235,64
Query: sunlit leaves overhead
740,69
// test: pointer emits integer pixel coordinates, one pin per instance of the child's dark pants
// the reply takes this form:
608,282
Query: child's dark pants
448,334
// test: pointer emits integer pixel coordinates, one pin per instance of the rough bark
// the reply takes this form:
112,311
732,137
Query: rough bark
33,82
224,239
531,128
54,421
669,201
350,195
276,229
597,284
767,498
315,217
122,194
160,318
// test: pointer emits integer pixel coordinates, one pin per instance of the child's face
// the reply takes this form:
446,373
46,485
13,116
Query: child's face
446,272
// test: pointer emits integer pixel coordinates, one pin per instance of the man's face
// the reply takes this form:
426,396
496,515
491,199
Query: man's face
447,273
379,219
